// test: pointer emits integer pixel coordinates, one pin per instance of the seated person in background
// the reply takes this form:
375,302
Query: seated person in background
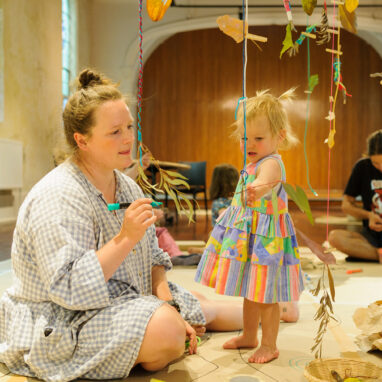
365,181
223,185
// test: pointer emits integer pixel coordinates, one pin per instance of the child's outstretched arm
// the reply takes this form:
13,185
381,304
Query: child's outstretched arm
268,176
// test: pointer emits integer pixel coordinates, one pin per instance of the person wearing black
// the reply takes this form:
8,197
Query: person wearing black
365,181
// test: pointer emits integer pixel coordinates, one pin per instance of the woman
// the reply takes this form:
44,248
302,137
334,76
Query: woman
90,297
365,181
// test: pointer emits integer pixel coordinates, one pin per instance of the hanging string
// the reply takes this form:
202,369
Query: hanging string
140,84
330,120
306,118
243,99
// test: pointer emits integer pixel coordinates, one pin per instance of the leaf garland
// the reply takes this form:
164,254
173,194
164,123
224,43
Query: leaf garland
168,182
288,42
325,311
323,34
348,19
301,200
308,6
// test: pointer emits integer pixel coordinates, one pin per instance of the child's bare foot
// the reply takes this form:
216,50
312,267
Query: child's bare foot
263,354
240,342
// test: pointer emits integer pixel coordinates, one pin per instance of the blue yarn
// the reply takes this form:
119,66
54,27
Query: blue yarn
306,127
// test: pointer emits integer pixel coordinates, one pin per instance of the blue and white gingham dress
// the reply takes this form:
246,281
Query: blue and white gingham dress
61,320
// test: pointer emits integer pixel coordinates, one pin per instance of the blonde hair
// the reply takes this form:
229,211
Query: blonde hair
93,89
266,104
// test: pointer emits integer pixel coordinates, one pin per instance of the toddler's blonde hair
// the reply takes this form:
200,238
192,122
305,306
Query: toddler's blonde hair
266,104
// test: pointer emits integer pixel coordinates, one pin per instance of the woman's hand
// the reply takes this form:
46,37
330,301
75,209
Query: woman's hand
138,217
191,334
375,222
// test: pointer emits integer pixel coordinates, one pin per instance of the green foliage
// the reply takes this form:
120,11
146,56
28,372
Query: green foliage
300,198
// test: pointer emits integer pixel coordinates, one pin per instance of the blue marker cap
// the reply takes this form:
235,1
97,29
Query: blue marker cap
113,206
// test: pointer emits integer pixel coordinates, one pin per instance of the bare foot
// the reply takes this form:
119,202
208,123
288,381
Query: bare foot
240,342
200,330
263,354
199,250
289,311
379,250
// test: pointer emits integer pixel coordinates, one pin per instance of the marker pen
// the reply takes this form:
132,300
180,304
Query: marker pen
119,206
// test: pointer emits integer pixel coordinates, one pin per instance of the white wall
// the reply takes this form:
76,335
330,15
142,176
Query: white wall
32,84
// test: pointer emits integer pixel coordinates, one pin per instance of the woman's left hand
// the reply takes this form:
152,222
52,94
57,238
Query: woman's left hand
191,334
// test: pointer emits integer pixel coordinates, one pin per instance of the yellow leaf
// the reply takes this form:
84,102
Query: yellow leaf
348,20
309,6
157,8
351,5
331,138
288,42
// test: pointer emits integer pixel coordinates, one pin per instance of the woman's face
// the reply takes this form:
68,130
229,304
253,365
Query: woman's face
110,143
376,161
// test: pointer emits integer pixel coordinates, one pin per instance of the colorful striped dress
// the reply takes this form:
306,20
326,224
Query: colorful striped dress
252,254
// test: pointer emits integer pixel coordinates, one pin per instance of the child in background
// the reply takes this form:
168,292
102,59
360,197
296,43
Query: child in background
251,253
223,184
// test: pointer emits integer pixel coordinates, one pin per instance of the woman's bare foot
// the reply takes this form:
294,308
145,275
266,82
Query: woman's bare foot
199,250
263,354
379,250
240,342
200,330
289,311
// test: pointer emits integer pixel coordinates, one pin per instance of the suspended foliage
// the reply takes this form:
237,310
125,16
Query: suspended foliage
313,81
308,6
348,19
351,5
288,42
301,200
323,34
157,8
168,182
325,311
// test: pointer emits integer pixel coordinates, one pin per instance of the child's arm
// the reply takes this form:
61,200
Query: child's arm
268,176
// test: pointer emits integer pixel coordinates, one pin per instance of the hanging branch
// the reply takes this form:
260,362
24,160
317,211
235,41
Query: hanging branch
168,181
325,311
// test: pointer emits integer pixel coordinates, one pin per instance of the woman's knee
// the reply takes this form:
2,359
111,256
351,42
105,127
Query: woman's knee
164,339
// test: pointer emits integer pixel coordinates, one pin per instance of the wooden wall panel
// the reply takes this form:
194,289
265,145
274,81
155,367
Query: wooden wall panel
194,79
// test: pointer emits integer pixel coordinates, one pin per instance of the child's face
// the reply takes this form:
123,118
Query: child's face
260,141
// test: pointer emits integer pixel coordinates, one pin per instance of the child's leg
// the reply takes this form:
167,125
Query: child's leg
270,320
251,317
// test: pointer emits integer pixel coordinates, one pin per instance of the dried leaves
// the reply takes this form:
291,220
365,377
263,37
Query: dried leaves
325,311
168,181
323,34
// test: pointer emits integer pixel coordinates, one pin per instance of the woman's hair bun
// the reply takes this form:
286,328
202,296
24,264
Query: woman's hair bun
89,78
